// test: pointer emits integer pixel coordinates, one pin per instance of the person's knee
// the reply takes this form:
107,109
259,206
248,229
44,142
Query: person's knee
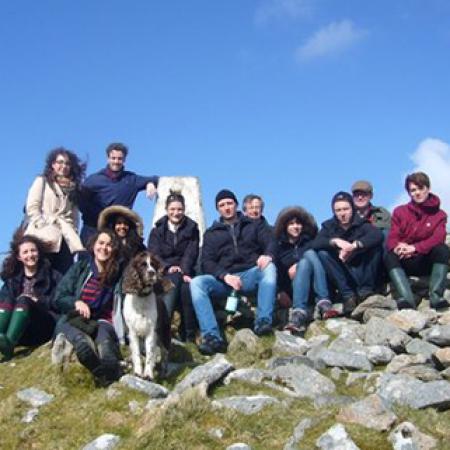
440,254
269,274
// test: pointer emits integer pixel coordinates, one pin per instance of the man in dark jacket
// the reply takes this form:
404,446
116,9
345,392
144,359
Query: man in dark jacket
236,256
350,250
111,186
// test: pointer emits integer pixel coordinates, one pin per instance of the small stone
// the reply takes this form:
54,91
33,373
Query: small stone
153,390
336,373
62,351
356,377
30,415
35,397
216,433
401,361
439,335
337,325
374,302
247,405
320,340
253,376
296,360
244,340
135,407
408,320
444,319
285,343
379,354
381,332
345,360
299,432
407,437
442,358
421,372
419,346
238,446
446,374
375,312
103,442
370,412
336,438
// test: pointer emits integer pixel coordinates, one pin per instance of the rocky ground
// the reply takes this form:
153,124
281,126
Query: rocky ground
377,380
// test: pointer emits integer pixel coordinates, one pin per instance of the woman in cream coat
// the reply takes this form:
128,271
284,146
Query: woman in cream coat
51,208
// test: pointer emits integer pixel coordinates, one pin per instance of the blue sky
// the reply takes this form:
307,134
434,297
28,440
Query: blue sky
291,99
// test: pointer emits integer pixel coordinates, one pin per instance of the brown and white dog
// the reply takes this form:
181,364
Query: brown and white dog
145,314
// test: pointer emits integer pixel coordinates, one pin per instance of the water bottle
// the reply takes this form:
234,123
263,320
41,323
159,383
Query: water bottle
232,302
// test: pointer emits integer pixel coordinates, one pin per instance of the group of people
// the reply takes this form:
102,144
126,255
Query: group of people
350,258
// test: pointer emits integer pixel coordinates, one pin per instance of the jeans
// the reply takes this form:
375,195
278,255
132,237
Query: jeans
309,267
204,288
359,276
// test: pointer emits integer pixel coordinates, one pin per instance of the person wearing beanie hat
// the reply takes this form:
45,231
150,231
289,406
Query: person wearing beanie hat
236,258
378,216
350,250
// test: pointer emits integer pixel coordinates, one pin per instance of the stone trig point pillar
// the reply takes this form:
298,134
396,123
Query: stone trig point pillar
189,187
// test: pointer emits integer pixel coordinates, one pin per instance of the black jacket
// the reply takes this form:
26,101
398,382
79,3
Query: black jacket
360,230
44,287
231,249
175,249
288,253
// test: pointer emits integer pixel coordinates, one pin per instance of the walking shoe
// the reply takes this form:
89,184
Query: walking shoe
297,322
350,304
211,345
326,309
263,327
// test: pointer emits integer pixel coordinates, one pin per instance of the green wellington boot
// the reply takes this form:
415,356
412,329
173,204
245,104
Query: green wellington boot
403,288
5,317
17,325
438,283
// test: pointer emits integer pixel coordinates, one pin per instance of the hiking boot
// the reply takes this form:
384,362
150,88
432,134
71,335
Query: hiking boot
211,345
297,322
263,327
438,283
326,309
350,304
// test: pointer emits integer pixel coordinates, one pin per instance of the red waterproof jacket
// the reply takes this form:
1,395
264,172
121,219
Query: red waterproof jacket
421,225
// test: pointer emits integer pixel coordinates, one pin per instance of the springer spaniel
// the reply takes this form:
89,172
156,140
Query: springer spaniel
145,314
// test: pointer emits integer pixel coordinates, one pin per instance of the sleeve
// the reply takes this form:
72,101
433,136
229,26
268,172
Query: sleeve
322,240
394,236
372,236
209,262
47,300
35,199
284,260
5,296
66,291
437,237
266,239
154,246
191,253
141,181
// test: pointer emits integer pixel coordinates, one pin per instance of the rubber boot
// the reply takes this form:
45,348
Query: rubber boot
18,323
5,317
438,283
110,356
85,350
403,288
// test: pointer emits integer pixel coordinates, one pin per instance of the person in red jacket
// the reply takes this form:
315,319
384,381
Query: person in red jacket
416,243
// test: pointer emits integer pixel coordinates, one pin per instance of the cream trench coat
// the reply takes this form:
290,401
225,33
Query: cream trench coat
52,216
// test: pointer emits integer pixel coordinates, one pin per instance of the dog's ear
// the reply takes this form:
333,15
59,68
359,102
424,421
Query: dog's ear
162,286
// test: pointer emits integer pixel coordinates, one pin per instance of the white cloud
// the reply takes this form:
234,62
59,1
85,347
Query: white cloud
432,156
282,9
334,38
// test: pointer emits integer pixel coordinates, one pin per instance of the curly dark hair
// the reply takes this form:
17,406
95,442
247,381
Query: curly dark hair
11,265
77,168
295,212
111,270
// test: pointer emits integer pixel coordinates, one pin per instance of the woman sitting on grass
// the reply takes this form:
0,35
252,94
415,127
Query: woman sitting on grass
26,314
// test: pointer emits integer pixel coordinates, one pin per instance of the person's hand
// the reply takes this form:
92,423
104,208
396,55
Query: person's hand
344,254
263,261
151,190
292,271
342,244
187,278
408,251
83,309
174,269
234,281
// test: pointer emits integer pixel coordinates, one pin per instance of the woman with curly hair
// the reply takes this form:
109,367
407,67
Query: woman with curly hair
51,207
26,313
127,226
298,265
87,296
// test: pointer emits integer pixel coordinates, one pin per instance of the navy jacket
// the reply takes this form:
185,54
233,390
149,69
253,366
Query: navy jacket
230,249
99,191
176,249
360,230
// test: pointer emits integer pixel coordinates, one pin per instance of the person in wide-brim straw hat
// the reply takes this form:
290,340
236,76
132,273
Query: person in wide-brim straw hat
128,227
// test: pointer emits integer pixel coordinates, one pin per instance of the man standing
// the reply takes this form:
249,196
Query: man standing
111,186
378,216
237,256
350,250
